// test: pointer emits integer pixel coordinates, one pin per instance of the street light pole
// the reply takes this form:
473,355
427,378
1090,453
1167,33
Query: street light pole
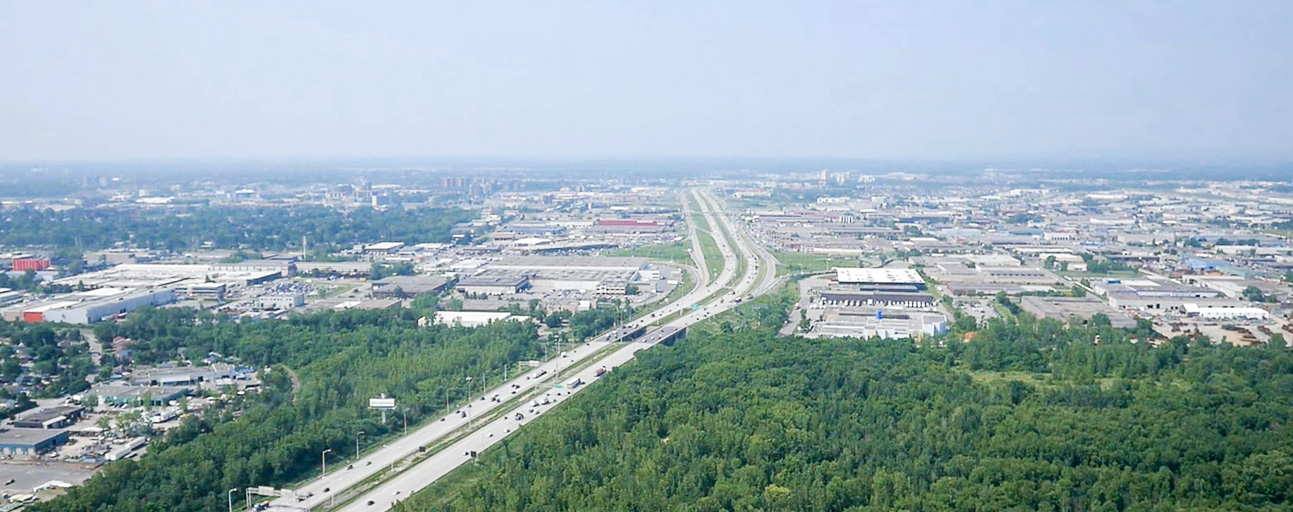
357,444
230,496
325,461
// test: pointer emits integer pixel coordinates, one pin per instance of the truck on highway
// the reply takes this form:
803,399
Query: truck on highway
575,383
601,371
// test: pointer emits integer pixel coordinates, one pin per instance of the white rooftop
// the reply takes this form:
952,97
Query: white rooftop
878,275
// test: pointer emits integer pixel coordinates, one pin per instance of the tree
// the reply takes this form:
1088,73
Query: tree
1254,294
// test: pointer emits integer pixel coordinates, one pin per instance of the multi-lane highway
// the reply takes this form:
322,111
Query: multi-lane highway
756,270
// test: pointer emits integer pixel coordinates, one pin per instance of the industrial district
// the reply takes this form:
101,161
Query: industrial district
890,255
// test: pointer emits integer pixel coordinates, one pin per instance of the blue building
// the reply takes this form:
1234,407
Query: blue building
30,442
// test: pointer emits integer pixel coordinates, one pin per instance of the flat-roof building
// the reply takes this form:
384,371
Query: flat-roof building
470,318
135,395
500,285
408,286
879,276
52,418
89,306
30,442
1066,308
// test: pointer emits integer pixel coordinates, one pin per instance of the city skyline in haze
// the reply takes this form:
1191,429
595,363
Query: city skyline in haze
883,80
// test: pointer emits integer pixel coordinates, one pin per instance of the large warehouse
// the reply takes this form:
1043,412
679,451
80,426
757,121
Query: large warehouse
880,276
30,442
89,306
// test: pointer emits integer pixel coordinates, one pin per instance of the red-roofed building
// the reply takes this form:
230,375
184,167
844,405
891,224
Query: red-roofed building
25,264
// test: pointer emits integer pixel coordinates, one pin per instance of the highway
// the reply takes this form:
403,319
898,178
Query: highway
758,277
321,490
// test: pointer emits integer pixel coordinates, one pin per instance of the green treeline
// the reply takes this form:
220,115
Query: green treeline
1028,416
226,227
341,358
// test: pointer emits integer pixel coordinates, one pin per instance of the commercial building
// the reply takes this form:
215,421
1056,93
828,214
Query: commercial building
865,324
1225,313
535,263
340,268
280,301
876,298
207,291
33,264
178,376
384,247
408,286
90,306
1065,309
485,285
470,318
284,268
30,442
175,276
880,276
137,395
52,418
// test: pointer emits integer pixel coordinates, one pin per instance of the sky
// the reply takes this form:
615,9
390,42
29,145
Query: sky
647,79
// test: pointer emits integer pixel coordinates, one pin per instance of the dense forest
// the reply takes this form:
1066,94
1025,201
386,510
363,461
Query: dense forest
226,227
341,359
1030,415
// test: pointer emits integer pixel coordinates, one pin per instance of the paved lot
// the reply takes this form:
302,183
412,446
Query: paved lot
27,476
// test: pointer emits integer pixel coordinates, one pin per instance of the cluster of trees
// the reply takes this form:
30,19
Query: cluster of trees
184,227
1031,415
60,358
341,360
28,282
1104,266
381,270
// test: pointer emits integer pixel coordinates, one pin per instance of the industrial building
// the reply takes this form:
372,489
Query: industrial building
30,442
1065,309
178,376
33,264
876,298
280,301
486,285
408,286
136,395
1225,313
608,264
880,276
174,276
339,268
89,306
284,268
865,324
470,318
52,418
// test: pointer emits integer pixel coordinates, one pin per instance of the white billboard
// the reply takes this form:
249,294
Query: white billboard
381,403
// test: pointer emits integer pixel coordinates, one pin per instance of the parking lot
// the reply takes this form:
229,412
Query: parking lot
27,476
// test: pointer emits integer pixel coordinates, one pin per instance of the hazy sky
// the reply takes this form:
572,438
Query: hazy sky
649,78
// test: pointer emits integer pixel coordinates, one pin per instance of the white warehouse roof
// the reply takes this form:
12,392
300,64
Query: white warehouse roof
879,275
